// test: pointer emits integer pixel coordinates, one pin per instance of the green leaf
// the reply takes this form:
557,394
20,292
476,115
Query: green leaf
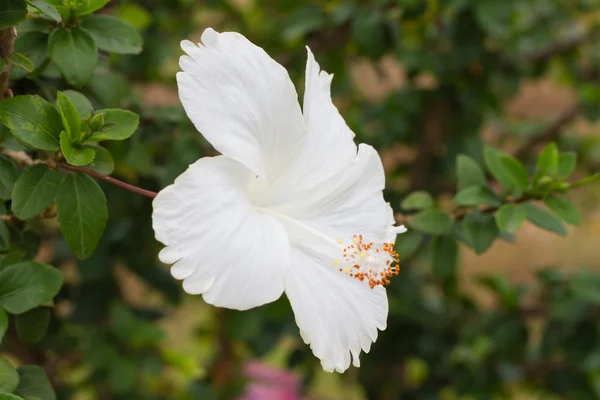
19,60
408,243
3,326
9,377
82,213
480,230
417,201
87,7
34,46
103,162
444,256
34,191
34,383
11,12
8,177
113,35
510,217
434,222
81,103
119,125
75,54
69,115
563,209
548,160
33,121
476,195
542,218
566,164
47,9
27,285
32,325
468,172
74,153
10,396
506,169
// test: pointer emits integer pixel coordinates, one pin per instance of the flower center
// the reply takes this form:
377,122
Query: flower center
366,262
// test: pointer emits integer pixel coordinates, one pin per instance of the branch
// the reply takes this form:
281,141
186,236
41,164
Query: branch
111,180
7,40
550,132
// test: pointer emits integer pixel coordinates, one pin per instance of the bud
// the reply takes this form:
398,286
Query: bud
563,187
544,180
97,122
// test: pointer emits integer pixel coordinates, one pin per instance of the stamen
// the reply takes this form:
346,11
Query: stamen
366,262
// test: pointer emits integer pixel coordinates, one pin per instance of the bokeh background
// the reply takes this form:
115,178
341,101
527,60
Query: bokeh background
422,81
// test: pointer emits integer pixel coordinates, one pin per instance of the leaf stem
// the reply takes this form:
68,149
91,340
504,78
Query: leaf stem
109,179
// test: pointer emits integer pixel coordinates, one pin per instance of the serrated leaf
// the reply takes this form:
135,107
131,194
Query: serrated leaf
564,209
103,161
75,54
510,217
33,121
81,103
28,284
20,61
444,256
47,9
34,46
69,115
468,172
86,7
548,160
543,219
476,195
32,325
3,328
34,383
567,164
11,12
119,125
113,35
434,222
75,153
34,191
506,169
82,213
9,377
419,200
8,177
480,230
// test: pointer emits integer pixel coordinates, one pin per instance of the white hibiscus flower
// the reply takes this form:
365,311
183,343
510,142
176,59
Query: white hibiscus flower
292,205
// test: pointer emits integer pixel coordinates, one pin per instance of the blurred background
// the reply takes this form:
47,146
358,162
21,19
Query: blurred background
422,81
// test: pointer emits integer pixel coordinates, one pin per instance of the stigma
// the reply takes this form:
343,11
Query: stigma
368,263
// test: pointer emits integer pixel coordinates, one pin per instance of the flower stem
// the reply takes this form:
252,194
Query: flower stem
109,179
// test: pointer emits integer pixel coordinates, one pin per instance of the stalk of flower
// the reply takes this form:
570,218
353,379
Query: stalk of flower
292,205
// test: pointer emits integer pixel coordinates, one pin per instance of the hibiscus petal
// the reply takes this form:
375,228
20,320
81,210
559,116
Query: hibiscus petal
219,245
242,101
327,147
349,203
337,315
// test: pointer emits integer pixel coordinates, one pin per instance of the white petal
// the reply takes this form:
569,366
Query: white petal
326,148
349,203
242,101
219,245
337,315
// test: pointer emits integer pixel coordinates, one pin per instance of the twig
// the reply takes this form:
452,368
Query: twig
550,132
111,180
7,40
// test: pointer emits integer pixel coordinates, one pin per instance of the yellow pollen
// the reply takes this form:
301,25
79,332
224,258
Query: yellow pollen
363,255
346,270
336,261
340,241
355,240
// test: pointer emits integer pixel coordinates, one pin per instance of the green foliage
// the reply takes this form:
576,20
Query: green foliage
82,213
461,63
